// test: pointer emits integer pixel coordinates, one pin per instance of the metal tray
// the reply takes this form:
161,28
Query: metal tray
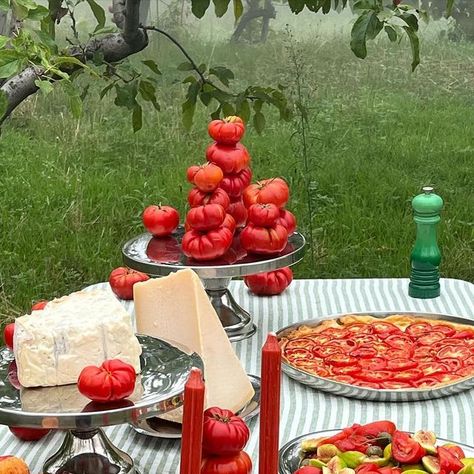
290,453
382,395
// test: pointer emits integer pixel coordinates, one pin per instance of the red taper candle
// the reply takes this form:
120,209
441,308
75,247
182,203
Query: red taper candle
270,406
193,419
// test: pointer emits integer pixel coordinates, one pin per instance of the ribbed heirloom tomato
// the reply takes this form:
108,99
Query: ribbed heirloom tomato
197,197
238,211
229,222
264,215
207,217
228,131
229,158
238,464
224,433
234,184
288,220
113,380
206,245
206,177
160,220
270,283
273,190
122,279
263,240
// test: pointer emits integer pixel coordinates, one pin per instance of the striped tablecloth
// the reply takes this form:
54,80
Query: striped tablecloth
304,409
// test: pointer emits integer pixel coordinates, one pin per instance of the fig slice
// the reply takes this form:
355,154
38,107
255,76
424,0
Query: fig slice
431,464
427,440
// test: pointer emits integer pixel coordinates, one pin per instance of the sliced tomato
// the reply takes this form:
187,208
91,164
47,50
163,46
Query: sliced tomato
469,343
430,338
432,368
364,383
341,360
363,339
447,378
397,354
346,370
469,361
333,333
458,352
401,364
423,352
448,331
467,371
363,352
456,450
358,328
452,364
449,341
372,376
400,341
426,382
308,363
327,350
418,329
448,461
381,327
342,378
320,340
346,345
374,364
294,354
467,334
409,376
405,449
300,343
394,385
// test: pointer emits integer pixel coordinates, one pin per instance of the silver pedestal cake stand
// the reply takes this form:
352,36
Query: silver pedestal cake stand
86,449
162,256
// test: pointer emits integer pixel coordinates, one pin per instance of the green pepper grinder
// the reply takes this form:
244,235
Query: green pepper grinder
425,256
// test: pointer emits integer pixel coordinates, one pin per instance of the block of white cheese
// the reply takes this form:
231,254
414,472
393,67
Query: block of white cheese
177,308
52,346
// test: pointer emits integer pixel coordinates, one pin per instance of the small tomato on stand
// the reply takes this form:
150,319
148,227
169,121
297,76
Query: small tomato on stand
208,177
29,434
228,131
113,380
8,334
39,305
238,211
263,215
263,240
230,159
234,184
274,191
199,198
207,217
288,220
122,279
224,433
238,464
160,220
206,245
269,283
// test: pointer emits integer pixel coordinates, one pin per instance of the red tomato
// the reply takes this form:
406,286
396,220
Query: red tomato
418,329
345,370
469,361
446,378
113,380
364,353
274,190
467,334
327,350
263,215
368,468
269,283
288,220
342,378
407,375
448,331
374,428
359,328
381,327
207,217
458,352
29,434
405,449
264,240
229,222
432,368
238,211
453,365
401,364
208,177
423,352
160,220
122,279
308,470
448,462
191,172
363,383
228,131
455,449
426,382
224,433
430,338
400,342
377,377
230,159
199,198
394,385
206,245
164,249
374,364
8,334
234,184
341,360
39,305
238,464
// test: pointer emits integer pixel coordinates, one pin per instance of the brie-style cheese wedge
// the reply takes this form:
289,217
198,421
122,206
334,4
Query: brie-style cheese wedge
177,308
53,345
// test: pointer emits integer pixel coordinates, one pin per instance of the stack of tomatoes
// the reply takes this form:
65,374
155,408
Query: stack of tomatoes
223,439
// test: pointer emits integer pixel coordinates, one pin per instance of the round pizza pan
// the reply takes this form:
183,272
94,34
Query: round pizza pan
371,394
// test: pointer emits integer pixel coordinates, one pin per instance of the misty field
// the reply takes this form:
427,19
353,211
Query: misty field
72,191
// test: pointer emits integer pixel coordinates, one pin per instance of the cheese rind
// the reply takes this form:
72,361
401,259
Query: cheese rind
177,308
53,345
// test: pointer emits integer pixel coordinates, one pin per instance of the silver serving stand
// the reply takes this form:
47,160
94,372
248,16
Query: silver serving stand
162,256
86,449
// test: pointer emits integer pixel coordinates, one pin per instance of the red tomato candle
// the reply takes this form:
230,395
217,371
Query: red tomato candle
270,406
193,418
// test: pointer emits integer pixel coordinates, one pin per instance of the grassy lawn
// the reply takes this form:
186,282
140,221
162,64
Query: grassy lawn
71,192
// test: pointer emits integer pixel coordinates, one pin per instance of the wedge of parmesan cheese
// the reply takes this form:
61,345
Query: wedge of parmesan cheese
52,346
177,308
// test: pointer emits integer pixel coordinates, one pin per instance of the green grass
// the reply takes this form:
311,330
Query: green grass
72,192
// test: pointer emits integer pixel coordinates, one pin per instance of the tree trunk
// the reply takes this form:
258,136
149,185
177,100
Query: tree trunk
4,24
253,12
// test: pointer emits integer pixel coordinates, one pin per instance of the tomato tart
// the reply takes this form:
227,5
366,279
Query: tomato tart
397,352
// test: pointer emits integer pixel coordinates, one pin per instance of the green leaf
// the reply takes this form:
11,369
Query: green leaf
137,118
10,63
227,109
126,95
220,7
410,19
148,93
199,7
391,33
47,40
186,66
259,122
98,12
243,110
365,5
4,5
189,106
367,26
415,46
216,114
449,7
222,73
44,86
238,9
106,90
75,103
68,60
296,6
3,103
3,41
150,64
38,14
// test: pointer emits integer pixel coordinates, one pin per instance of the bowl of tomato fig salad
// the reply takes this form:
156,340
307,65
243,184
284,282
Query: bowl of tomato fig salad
382,356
